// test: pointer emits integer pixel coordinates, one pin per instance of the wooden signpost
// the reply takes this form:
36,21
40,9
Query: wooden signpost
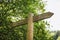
30,21
35,19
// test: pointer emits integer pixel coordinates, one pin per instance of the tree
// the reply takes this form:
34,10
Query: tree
15,10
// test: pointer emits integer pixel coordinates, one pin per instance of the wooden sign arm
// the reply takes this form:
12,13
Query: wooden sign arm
35,19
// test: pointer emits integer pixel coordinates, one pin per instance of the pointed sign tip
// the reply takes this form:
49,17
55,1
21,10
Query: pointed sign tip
50,13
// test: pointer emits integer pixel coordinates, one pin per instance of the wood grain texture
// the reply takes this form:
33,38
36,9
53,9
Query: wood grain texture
30,28
35,19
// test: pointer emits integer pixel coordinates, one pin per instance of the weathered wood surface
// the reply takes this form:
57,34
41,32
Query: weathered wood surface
35,19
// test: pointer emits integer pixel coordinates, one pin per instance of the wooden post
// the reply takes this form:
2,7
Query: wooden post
30,27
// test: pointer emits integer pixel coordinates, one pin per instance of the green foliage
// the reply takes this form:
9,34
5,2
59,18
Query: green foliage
58,38
39,32
20,9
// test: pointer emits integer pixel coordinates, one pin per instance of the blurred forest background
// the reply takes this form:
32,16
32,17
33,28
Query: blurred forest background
15,10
